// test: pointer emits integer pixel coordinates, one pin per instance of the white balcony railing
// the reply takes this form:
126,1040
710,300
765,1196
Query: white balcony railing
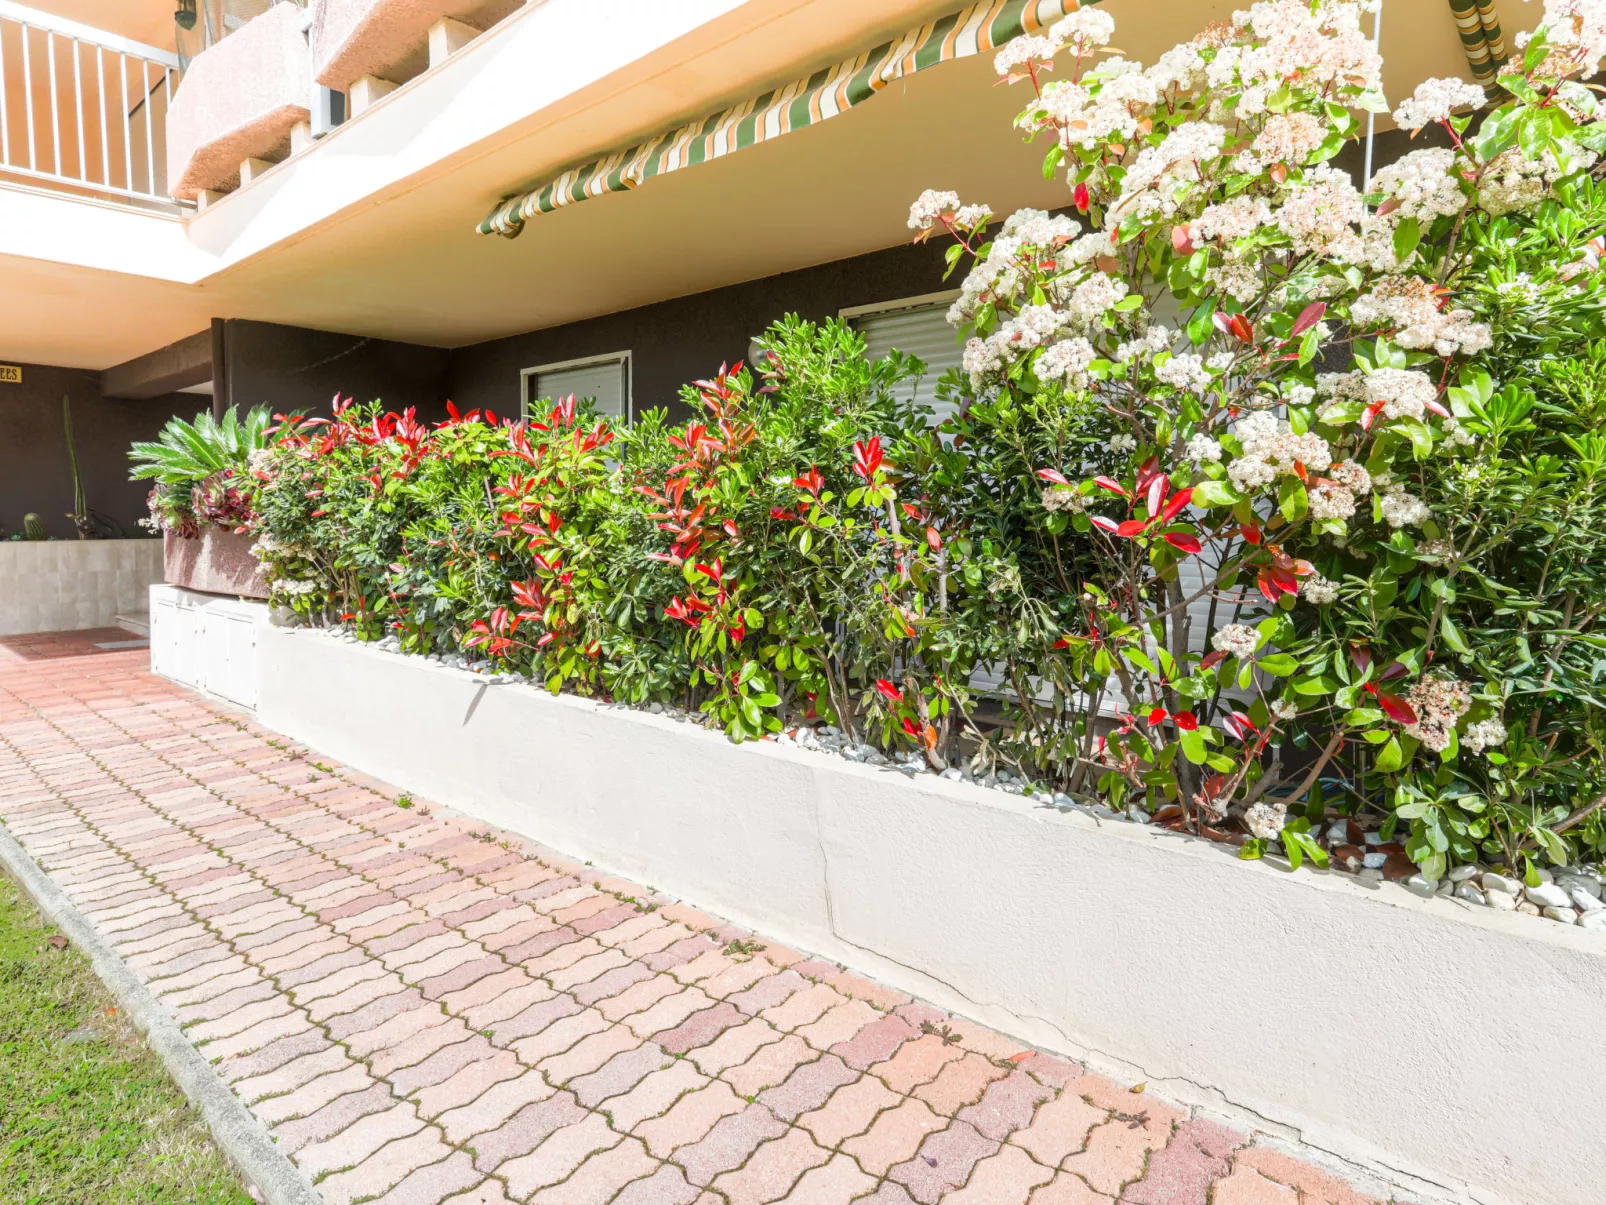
81,109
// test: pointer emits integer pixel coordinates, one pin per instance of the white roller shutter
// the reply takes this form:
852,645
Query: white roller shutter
917,331
607,380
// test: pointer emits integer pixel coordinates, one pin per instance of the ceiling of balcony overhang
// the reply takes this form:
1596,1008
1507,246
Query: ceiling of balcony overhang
406,264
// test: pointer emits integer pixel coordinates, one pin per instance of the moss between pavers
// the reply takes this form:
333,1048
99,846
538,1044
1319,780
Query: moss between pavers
87,1113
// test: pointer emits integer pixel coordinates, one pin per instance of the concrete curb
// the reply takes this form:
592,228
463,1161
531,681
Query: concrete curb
242,1138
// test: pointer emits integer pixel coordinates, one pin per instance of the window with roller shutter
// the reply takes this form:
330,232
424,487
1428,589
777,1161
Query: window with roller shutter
605,378
917,326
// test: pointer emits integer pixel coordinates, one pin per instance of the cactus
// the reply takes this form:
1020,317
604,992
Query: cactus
80,506
33,527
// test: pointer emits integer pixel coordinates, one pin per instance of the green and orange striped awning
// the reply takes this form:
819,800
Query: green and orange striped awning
827,93
1481,38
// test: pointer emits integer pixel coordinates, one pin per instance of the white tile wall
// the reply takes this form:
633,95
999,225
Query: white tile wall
67,585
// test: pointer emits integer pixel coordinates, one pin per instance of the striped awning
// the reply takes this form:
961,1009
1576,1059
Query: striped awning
978,29
1481,39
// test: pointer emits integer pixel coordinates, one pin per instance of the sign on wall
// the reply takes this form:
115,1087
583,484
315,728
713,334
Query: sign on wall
11,374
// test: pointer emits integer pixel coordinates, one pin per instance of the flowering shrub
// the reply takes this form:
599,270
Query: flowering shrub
1265,499
1359,570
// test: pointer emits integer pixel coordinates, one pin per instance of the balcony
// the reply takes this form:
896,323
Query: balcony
83,111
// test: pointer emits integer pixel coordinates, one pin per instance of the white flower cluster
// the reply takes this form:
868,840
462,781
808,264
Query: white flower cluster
1514,182
1063,497
1202,448
1271,450
999,275
1577,26
1066,361
1333,496
1088,114
1410,305
1438,703
1240,279
1401,509
1231,220
1028,48
1172,167
1425,183
1485,734
296,586
929,207
1152,342
1123,443
1289,137
1317,590
1434,100
1236,640
1186,372
1404,392
1266,820
1285,709
1320,210
1318,46
1037,325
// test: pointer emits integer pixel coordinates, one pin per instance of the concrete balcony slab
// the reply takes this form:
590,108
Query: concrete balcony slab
239,100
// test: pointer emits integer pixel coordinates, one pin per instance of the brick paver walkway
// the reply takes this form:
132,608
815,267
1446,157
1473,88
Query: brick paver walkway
422,1010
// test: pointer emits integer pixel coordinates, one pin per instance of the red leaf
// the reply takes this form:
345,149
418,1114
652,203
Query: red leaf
1109,483
1308,317
1130,528
1395,670
1186,720
1178,500
1080,197
1396,708
933,539
1181,240
1053,475
1157,715
1251,533
909,727
888,691
1157,492
1183,543
1212,659
1361,656
1241,328
1107,524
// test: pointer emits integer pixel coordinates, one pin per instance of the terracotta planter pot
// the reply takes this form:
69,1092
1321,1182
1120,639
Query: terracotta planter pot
218,562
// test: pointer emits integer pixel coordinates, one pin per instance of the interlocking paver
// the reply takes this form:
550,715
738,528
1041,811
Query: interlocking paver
423,1017
559,1156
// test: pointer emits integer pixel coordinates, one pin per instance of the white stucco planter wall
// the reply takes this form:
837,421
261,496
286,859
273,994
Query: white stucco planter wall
70,585
207,642
1438,1044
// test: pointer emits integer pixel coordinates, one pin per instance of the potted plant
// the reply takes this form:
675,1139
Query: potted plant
201,503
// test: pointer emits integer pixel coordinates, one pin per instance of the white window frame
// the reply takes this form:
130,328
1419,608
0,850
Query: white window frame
626,357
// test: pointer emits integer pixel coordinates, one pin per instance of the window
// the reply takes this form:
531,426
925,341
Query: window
917,326
605,378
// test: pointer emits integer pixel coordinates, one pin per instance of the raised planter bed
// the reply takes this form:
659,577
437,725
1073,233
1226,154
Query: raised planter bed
1454,1049
215,562
70,585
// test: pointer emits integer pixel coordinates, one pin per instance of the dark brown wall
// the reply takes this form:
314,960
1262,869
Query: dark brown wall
682,340
34,472
295,368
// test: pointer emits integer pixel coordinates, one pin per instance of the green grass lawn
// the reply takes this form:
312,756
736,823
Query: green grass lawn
87,1114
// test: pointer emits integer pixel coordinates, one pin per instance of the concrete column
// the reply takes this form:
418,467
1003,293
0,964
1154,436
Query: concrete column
367,90
447,37
300,137
205,198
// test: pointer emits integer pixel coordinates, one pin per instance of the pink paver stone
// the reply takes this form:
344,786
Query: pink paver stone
282,921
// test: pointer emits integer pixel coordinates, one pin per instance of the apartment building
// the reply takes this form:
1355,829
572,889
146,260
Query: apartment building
249,201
